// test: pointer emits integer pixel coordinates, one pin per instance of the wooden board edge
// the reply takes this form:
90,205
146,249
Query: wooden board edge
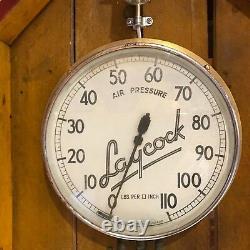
18,18
5,150
232,62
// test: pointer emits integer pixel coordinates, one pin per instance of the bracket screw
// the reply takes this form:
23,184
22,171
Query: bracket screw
149,20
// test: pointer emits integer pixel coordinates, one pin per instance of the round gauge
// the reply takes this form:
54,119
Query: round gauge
142,139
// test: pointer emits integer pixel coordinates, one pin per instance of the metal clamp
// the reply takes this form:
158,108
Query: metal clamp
139,22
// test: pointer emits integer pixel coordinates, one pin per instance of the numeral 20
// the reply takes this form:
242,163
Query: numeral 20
76,155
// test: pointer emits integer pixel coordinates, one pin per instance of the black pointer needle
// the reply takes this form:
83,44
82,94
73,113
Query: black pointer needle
142,129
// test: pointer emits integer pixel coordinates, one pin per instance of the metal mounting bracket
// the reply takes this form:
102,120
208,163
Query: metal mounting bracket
139,22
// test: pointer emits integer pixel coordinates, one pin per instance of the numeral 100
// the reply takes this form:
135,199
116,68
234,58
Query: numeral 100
185,180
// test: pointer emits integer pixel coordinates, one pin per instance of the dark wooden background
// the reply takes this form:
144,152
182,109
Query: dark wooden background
60,35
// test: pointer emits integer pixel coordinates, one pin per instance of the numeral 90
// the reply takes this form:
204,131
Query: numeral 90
204,151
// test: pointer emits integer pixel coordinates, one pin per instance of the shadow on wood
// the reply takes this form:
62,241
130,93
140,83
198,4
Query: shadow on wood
242,6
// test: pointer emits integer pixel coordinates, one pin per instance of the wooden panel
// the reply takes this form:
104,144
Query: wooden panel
99,23
18,18
40,56
6,6
5,151
232,62
181,22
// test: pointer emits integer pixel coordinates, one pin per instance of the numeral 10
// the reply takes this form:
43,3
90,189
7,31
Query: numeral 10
90,181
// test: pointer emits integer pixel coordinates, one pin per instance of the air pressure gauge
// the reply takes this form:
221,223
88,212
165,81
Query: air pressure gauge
141,132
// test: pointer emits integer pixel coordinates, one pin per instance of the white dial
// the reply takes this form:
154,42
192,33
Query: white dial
141,131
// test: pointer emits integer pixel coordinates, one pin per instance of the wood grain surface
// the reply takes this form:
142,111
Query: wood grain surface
181,22
18,18
67,30
232,62
5,150
40,56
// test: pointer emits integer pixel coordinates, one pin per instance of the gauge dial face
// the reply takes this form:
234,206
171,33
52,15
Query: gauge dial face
167,177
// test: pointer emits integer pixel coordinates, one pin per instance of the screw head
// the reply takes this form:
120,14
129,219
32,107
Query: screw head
149,20
129,21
